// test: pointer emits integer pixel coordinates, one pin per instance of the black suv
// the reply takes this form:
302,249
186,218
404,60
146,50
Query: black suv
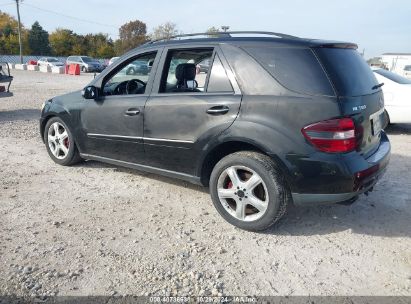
275,119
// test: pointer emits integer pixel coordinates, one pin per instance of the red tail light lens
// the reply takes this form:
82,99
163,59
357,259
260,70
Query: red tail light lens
332,136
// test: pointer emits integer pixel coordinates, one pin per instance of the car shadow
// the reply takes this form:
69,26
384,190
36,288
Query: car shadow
22,114
160,178
6,94
396,129
385,212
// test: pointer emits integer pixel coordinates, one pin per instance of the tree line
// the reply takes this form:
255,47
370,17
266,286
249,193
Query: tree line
64,42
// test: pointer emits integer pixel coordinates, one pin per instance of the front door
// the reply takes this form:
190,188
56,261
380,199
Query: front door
113,124
189,105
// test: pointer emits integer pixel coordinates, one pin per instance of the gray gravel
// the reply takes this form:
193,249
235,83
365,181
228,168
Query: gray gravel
95,229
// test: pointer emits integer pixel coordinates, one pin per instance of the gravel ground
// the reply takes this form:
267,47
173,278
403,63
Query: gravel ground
95,229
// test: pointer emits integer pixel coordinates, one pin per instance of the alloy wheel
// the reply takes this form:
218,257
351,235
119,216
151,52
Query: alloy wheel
58,140
242,193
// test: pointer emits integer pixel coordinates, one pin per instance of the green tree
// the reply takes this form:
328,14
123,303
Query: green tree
212,30
38,40
132,34
164,31
9,42
62,42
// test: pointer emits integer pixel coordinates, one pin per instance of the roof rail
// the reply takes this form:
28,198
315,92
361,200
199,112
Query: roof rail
224,35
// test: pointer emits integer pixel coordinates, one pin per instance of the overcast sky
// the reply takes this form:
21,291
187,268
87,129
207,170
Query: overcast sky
377,26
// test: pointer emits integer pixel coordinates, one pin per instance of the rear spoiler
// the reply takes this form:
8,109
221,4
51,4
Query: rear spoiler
333,44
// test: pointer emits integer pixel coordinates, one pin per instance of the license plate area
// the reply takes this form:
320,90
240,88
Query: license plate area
376,121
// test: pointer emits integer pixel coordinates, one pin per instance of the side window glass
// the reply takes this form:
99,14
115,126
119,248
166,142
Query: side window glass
219,81
186,70
131,77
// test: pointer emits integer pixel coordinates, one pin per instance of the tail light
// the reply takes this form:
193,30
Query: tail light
332,136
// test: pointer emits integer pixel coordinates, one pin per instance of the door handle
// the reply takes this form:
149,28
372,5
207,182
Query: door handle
132,112
218,110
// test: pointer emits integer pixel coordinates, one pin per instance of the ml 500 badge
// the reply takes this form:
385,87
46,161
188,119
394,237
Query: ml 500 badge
359,108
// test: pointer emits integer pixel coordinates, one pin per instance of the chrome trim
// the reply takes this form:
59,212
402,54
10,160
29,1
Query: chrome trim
113,136
169,140
139,137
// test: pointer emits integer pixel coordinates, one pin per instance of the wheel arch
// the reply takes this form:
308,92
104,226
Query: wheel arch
219,151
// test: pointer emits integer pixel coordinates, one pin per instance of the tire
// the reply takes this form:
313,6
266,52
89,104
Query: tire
272,192
65,157
83,69
131,71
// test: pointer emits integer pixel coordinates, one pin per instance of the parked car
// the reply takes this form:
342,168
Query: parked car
397,95
137,67
280,120
49,61
407,71
87,64
112,60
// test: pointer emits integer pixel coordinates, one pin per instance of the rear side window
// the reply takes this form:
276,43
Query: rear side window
219,81
297,69
348,71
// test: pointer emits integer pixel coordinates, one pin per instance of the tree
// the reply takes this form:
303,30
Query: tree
39,40
9,40
212,30
164,31
62,42
132,34
8,24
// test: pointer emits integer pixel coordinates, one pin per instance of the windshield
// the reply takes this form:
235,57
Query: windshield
52,60
88,59
348,71
393,77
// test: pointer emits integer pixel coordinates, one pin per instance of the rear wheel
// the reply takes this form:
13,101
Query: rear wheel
60,143
249,191
83,69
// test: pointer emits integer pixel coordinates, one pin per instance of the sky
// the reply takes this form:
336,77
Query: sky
377,26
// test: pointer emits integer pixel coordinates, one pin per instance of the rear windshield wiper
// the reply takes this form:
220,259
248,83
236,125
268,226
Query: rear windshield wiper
377,86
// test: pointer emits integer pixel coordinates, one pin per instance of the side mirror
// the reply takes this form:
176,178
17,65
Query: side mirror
90,92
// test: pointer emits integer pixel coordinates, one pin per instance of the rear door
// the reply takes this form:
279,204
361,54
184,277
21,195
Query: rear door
359,93
179,122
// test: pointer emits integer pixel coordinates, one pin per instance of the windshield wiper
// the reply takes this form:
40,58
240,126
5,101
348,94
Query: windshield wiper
377,86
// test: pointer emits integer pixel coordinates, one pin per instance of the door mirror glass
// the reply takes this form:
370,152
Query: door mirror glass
90,92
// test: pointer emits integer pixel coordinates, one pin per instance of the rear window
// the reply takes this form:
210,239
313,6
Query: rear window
297,69
348,71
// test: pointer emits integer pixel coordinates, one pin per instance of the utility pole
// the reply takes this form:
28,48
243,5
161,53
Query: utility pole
225,28
19,30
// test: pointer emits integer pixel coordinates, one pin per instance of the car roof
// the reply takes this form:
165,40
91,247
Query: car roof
276,39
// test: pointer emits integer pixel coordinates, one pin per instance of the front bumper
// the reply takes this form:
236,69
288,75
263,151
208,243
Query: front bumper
359,177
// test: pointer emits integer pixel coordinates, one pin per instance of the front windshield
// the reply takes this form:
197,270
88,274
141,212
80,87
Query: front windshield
393,77
52,60
88,59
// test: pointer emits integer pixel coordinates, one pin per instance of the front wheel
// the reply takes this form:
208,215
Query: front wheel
249,191
60,143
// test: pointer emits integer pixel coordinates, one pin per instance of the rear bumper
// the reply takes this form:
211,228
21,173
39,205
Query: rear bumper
360,176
